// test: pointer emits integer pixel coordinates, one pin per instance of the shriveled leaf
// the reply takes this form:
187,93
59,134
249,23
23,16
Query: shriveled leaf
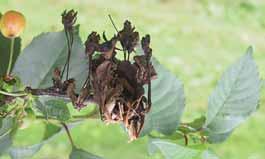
26,152
5,52
174,151
234,99
82,154
47,51
6,131
168,102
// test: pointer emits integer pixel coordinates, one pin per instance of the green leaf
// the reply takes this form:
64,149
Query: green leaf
82,154
5,52
51,130
217,137
197,123
30,112
262,84
7,129
193,126
234,99
175,151
168,102
5,144
53,108
57,109
26,152
209,155
49,50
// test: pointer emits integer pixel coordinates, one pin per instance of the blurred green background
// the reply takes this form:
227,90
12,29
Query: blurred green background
195,39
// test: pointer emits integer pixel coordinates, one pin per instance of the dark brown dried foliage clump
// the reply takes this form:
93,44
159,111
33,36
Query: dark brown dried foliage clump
115,85
69,19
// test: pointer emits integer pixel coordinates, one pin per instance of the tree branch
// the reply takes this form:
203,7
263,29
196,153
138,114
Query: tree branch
51,91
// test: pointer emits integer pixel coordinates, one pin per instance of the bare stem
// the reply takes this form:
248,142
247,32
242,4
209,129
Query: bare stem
113,23
69,39
124,52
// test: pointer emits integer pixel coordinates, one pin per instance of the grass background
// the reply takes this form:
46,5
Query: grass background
195,39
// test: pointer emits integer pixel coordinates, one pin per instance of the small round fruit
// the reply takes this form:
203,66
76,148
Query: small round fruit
12,24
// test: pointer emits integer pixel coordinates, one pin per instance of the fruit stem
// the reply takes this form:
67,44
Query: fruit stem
11,56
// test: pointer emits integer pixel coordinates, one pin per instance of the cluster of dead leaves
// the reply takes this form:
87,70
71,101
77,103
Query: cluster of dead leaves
116,85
